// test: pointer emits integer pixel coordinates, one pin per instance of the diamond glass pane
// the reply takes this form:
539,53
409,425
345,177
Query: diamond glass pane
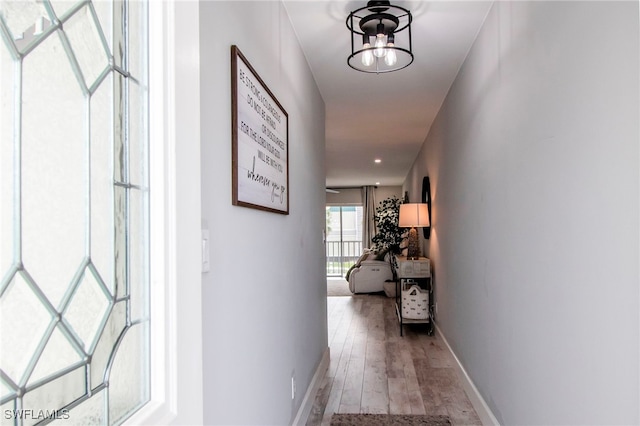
117,43
102,244
21,16
102,248
54,169
7,152
58,354
19,339
137,20
90,412
62,7
120,256
104,13
128,381
87,310
105,347
137,137
119,128
74,230
55,394
5,390
86,44
137,254
7,408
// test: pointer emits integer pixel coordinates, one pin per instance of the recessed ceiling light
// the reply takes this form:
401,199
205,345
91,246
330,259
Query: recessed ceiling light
377,183
377,160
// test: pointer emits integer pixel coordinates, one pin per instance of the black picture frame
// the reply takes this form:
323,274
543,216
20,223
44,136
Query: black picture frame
426,198
259,141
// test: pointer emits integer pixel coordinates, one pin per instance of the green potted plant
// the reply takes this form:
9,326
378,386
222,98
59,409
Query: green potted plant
389,237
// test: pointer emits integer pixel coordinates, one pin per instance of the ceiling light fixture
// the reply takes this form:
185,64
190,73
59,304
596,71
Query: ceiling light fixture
377,160
391,50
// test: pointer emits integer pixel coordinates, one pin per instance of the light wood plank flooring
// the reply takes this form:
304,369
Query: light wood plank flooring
374,370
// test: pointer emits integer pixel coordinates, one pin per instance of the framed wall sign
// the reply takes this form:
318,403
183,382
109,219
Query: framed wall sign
260,141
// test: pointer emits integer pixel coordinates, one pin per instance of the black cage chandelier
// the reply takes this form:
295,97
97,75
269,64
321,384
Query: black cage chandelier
383,24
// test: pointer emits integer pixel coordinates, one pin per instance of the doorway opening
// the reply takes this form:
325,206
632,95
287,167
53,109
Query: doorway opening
344,238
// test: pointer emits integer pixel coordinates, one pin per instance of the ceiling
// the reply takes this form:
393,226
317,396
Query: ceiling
385,116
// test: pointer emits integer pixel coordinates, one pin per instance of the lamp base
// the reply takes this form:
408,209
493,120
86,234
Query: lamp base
413,248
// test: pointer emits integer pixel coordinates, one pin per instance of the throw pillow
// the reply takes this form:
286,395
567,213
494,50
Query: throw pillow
362,258
382,254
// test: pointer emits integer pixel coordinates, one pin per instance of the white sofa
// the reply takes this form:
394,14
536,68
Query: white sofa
369,275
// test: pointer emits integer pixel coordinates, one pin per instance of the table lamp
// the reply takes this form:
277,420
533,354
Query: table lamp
413,215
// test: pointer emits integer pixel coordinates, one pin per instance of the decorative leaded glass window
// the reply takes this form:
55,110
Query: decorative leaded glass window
74,216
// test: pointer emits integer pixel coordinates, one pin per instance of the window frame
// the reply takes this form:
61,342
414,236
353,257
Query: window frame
176,394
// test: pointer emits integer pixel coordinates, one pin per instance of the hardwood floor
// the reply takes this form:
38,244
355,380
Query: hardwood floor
374,370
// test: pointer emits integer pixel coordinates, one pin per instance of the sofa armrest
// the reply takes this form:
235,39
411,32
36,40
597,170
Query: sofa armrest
370,276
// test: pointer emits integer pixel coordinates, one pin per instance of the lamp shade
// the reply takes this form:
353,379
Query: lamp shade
414,215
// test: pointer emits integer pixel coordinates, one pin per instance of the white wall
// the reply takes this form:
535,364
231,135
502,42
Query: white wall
384,192
264,301
354,195
534,166
345,196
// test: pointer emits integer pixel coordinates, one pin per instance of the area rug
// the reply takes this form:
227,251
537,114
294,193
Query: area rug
388,420
337,287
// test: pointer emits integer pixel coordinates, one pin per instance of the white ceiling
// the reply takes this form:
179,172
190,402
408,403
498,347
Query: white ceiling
384,116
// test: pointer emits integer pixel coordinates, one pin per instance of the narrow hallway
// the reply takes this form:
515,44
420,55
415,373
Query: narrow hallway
374,370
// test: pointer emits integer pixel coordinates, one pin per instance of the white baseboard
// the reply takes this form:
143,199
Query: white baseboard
478,402
312,390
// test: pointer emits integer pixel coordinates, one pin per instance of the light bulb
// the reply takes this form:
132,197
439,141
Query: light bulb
367,56
379,46
390,58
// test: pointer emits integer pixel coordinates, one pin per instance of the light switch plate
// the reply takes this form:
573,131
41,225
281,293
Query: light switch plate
206,267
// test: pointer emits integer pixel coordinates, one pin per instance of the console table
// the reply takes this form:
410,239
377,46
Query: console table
417,271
